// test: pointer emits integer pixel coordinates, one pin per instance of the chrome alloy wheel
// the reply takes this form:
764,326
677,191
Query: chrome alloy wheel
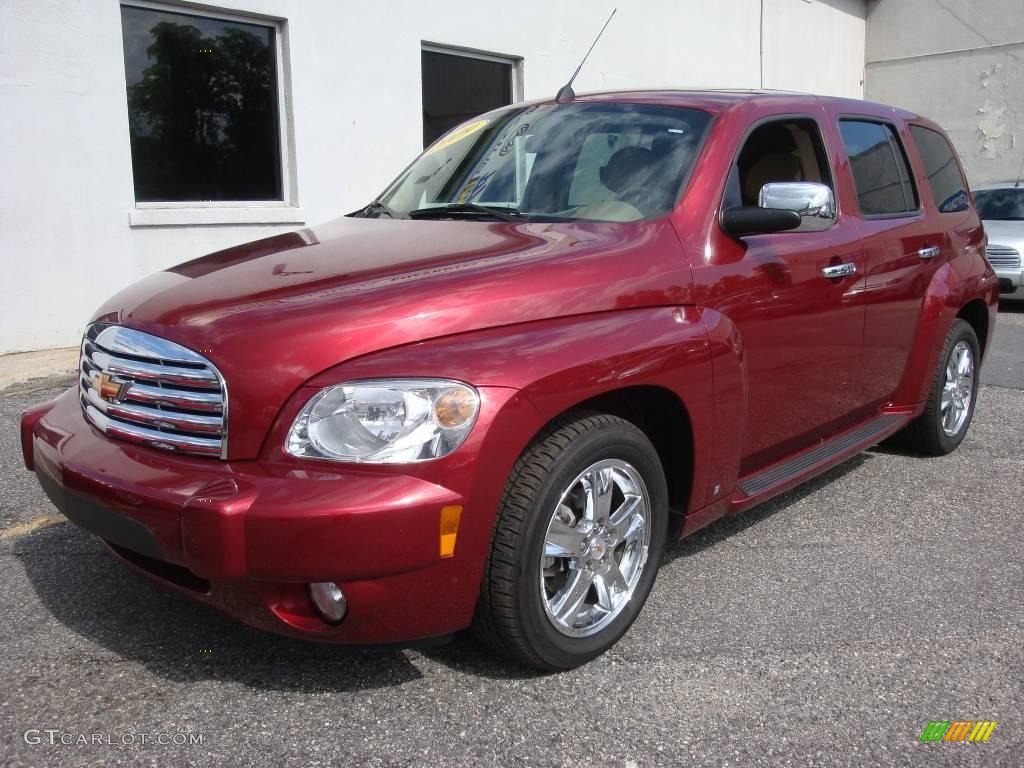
958,389
595,548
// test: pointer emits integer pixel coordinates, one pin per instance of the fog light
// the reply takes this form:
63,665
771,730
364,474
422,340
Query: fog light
329,600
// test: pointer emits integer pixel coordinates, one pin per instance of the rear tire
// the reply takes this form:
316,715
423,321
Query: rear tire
953,395
579,536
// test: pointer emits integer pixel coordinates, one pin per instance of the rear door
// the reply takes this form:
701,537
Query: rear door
903,247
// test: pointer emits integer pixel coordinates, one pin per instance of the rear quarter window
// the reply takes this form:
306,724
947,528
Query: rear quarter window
944,177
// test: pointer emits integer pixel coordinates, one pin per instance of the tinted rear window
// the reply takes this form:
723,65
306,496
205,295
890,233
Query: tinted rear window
947,183
1000,204
879,167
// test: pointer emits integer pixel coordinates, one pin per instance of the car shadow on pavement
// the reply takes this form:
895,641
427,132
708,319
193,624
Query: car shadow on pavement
728,526
89,592
468,656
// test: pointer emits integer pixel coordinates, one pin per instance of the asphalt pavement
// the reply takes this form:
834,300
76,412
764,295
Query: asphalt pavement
827,627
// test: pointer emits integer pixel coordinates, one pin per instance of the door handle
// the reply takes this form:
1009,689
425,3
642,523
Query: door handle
839,270
929,253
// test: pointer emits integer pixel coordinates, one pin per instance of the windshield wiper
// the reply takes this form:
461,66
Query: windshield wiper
506,214
376,206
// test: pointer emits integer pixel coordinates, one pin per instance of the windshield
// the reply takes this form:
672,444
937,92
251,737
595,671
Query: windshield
605,162
1000,204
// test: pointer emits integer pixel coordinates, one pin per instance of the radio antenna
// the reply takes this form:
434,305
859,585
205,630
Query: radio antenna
566,93
1016,184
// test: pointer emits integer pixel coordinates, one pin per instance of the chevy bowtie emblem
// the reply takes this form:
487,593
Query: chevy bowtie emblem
108,388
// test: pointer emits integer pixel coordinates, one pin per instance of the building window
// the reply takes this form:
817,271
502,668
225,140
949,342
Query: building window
203,107
458,85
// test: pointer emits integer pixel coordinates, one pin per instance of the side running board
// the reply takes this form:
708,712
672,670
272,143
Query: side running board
823,455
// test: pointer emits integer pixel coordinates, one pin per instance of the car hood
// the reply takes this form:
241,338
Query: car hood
273,313
1008,233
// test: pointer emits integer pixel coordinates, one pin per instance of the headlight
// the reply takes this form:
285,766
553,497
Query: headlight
385,421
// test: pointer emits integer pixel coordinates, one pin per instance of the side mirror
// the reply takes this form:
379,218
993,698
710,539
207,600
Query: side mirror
782,205
746,220
807,198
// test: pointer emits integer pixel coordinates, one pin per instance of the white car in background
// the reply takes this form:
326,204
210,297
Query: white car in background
1001,207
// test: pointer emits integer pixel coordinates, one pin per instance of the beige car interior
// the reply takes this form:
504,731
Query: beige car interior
782,151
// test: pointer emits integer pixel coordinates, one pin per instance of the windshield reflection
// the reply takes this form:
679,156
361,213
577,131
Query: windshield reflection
552,162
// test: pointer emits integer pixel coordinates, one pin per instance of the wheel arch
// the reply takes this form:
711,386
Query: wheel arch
975,313
948,297
662,416
629,363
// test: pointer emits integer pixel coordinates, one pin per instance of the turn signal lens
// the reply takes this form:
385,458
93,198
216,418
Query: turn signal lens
450,517
455,407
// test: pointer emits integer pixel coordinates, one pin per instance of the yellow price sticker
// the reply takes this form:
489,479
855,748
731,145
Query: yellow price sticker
457,135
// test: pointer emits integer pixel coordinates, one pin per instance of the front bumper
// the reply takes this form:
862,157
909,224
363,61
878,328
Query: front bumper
248,536
1009,279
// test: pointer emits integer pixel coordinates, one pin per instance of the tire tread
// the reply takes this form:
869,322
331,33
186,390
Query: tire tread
921,435
496,621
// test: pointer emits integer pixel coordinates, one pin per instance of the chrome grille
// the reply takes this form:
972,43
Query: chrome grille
147,390
1002,257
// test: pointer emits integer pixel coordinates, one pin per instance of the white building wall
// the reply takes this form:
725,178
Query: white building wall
962,65
353,91
816,47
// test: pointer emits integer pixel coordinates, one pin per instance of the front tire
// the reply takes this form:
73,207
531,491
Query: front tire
580,532
953,395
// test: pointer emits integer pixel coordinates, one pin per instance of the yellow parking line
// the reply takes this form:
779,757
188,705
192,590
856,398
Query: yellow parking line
43,521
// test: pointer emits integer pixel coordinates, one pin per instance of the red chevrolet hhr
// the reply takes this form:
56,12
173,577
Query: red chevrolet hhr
569,332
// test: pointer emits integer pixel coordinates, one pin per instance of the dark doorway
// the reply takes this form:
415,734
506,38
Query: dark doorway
456,88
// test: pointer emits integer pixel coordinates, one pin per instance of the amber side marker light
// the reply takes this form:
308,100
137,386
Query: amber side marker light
450,517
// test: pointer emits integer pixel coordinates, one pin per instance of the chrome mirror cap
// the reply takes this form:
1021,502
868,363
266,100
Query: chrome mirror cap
807,198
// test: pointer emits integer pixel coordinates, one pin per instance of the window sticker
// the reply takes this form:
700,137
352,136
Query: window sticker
457,135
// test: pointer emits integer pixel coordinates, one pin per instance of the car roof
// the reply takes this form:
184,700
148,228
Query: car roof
1011,184
716,100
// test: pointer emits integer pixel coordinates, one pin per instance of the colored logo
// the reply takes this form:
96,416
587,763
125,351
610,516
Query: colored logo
958,730
955,202
107,387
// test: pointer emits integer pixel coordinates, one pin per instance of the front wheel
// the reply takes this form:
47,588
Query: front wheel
954,393
577,543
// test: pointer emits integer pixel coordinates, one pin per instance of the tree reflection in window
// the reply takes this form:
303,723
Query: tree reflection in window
202,107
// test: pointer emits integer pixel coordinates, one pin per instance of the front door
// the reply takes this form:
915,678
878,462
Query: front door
801,331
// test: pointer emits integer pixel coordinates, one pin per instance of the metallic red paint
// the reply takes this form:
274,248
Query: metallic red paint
757,354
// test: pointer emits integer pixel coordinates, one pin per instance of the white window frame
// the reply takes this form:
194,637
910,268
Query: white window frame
515,62
197,212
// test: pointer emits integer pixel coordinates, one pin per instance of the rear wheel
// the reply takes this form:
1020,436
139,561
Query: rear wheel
577,543
954,393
